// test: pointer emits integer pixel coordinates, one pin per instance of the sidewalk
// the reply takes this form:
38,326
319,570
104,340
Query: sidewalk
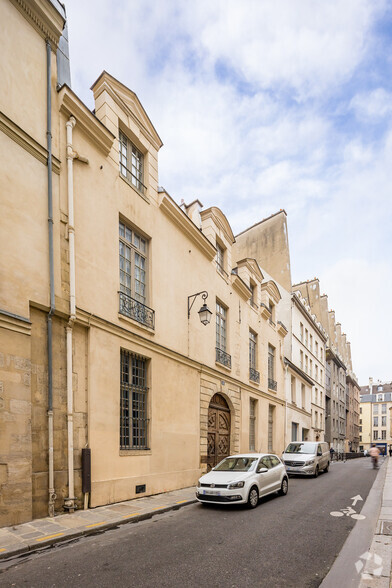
376,572
42,533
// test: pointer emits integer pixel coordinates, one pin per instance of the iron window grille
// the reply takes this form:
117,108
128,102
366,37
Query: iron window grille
136,310
254,375
131,163
223,357
133,402
272,384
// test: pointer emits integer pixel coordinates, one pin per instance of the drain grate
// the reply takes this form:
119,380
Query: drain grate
386,528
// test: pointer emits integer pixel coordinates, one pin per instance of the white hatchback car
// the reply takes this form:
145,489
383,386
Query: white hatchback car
243,479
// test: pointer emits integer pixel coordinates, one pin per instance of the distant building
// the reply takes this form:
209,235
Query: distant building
375,415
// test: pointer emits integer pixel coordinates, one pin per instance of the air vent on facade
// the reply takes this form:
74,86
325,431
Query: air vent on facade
140,489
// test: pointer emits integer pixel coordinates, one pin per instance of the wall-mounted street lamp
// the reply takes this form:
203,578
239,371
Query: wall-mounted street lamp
204,312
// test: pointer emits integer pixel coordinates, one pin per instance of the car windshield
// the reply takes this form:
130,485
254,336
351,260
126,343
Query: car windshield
236,464
301,448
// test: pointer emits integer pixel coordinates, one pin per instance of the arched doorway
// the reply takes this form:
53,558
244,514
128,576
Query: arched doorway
218,431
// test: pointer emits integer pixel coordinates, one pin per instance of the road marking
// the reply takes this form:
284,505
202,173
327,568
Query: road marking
95,525
356,498
336,513
49,537
158,508
130,515
181,501
3,549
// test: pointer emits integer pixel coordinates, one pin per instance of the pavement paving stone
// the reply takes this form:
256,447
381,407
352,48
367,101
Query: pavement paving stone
373,582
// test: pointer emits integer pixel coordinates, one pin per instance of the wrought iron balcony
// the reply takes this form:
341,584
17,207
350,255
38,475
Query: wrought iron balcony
272,385
254,375
136,310
223,357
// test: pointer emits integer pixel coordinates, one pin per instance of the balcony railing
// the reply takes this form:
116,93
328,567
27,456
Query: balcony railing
136,310
254,375
272,385
223,357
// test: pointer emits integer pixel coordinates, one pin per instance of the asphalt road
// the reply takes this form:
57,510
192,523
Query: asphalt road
289,541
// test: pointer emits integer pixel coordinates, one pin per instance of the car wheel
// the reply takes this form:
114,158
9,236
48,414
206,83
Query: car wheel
327,468
284,487
253,498
316,471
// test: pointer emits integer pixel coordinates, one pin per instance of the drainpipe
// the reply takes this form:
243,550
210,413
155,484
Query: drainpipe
69,503
52,494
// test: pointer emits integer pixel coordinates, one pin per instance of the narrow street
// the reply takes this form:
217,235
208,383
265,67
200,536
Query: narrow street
286,541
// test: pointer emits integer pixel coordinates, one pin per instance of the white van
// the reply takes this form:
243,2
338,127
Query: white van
306,458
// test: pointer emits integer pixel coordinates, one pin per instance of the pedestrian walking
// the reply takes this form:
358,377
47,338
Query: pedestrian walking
374,452
390,451
331,452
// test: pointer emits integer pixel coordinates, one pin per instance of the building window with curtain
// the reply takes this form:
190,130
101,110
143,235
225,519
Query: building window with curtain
133,402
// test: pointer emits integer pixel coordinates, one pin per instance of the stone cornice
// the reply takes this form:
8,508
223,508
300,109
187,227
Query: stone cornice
219,220
121,94
272,290
298,371
44,17
252,266
27,142
240,286
70,104
13,322
184,223
282,331
320,329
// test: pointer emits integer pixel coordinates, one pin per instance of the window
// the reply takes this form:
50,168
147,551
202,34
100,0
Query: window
321,377
301,332
133,402
321,354
294,431
220,257
384,421
272,385
301,360
252,424
375,435
316,349
306,337
133,261
316,372
131,162
311,368
220,326
252,349
360,410
293,391
375,421
311,342
375,409
253,295
360,428
271,410
384,409
303,398
271,308
383,434
306,363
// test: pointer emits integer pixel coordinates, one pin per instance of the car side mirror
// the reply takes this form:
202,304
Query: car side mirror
262,470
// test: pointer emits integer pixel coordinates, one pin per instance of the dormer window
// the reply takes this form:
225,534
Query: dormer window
253,296
220,258
131,162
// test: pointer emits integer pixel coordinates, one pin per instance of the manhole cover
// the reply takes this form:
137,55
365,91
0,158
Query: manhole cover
386,528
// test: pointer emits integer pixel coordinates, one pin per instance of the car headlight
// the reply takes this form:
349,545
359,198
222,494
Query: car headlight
310,462
233,485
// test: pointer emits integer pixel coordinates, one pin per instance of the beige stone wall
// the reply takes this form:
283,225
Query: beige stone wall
15,422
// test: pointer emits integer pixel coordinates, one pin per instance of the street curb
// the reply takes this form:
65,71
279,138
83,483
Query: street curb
44,545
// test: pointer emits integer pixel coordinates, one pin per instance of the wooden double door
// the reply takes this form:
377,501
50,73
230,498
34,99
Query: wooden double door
218,431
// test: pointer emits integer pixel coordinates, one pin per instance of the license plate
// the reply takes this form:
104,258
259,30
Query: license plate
288,468
212,492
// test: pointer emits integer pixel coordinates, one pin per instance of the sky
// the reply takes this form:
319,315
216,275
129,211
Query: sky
265,105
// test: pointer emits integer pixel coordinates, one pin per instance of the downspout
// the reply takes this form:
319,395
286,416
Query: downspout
69,503
52,494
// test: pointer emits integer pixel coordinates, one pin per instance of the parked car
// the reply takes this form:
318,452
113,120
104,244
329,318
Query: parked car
306,458
240,479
